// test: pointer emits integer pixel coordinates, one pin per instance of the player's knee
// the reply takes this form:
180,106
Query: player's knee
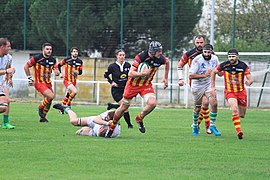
152,103
197,108
50,97
125,102
3,107
74,92
235,111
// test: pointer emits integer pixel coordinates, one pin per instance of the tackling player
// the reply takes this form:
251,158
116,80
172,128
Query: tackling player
92,125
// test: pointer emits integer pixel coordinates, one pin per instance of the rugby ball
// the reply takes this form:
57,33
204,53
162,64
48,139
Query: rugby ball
143,66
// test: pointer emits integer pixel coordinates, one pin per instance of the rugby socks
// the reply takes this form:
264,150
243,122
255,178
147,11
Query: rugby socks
65,99
127,118
195,118
70,98
44,103
46,108
111,106
205,111
236,122
213,117
5,119
200,118
115,121
139,118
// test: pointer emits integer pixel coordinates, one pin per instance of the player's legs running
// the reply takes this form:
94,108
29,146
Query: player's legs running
213,114
117,115
197,99
71,92
117,94
205,113
151,103
47,92
235,116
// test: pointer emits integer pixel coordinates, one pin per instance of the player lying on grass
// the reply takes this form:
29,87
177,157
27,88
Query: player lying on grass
92,125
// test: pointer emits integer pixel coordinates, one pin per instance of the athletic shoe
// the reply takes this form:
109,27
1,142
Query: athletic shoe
109,107
195,130
41,112
7,126
240,135
214,130
60,107
208,131
61,112
141,127
43,120
130,126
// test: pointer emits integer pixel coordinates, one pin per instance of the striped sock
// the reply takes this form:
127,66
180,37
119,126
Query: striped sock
195,118
236,122
213,117
200,118
205,111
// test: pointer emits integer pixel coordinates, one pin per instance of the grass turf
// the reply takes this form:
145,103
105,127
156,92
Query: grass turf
167,150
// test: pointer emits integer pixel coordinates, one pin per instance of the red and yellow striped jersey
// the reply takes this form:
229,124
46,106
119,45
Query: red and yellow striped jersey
154,64
42,68
189,56
70,66
234,75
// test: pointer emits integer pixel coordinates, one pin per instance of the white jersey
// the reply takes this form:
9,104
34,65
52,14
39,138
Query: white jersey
200,66
5,62
95,127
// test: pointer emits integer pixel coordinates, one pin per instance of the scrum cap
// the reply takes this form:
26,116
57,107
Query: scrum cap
154,47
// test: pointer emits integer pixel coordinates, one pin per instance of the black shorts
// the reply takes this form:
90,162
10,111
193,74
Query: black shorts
117,93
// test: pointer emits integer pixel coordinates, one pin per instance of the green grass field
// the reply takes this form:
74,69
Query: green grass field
167,150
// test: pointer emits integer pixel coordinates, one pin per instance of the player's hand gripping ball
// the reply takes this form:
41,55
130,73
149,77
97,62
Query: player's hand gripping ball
143,67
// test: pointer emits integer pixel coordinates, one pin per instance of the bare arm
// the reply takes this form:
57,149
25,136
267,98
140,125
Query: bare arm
249,80
180,67
56,71
98,120
26,70
213,78
166,74
28,74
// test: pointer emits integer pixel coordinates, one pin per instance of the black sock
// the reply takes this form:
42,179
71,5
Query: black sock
111,106
127,118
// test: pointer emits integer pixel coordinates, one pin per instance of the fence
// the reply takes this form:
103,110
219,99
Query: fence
99,94
106,25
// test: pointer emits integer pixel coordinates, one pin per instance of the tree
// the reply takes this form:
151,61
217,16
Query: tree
96,24
252,25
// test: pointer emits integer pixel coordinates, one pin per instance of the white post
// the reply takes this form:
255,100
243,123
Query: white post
98,92
212,23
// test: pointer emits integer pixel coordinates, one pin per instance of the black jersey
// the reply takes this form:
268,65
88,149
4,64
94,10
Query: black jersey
119,73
